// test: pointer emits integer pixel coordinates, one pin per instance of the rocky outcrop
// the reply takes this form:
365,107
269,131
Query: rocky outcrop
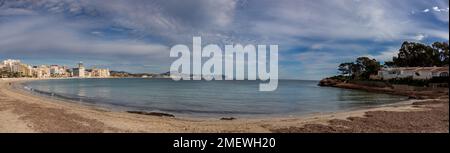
383,87
152,113
329,82
227,118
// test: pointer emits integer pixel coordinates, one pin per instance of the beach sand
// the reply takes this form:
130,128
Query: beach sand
22,112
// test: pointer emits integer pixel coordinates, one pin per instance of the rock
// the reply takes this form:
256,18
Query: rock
329,82
412,97
151,113
227,118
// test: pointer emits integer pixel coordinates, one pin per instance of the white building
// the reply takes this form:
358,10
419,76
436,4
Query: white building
16,66
45,71
80,71
58,71
11,65
10,62
418,73
54,69
100,73
42,71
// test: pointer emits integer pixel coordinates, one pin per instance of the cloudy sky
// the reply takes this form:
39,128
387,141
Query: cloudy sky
314,36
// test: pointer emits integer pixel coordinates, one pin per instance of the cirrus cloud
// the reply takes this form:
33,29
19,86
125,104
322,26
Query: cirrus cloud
142,31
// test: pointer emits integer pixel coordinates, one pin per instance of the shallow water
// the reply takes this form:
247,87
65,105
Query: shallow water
210,98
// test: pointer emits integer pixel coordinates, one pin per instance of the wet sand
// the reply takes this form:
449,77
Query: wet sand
23,112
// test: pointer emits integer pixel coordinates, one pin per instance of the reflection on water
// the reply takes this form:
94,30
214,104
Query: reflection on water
202,98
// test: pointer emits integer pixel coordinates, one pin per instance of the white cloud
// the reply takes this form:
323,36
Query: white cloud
419,37
217,20
50,36
436,9
175,20
385,55
96,33
335,27
319,64
369,20
15,12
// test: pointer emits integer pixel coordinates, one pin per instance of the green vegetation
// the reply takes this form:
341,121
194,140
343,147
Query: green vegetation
411,54
362,68
123,74
8,74
341,78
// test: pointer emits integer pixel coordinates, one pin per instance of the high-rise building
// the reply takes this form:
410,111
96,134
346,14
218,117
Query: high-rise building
100,73
54,69
17,67
42,71
58,71
11,65
25,70
80,71
45,71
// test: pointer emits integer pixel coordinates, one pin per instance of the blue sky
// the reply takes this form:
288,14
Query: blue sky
314,36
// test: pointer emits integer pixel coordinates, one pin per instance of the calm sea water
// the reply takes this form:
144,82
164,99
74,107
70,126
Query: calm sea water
209,99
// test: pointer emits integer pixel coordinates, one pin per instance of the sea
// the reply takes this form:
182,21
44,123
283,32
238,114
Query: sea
209,98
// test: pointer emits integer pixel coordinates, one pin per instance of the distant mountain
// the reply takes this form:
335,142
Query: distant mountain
124,74
152,75
176,74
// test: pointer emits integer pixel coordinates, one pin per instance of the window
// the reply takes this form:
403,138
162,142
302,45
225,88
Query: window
396,72
444,74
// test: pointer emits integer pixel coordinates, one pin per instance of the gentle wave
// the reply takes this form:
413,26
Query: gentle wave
216,98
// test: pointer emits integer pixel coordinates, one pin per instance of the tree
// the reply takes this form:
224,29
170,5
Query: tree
346,68
443,49
362,68
413,54
368,66
389,63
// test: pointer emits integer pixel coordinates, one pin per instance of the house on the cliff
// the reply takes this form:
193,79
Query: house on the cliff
417,73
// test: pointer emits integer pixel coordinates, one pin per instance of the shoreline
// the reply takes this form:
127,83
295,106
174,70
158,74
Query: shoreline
22,112
401,90
21,82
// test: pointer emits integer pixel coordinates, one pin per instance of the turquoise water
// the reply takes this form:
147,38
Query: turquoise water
210,98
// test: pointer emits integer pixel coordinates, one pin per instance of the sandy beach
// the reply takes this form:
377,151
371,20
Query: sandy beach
22,112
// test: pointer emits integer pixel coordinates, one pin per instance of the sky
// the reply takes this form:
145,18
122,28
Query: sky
314,36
